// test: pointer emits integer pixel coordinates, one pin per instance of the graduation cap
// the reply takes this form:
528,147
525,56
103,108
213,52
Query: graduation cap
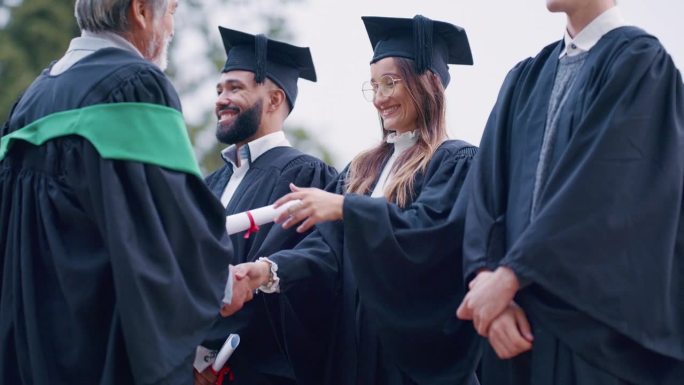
281,62
431,44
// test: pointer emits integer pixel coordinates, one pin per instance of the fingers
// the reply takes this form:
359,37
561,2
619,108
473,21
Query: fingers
293,209
282,217
200,379
286,198
504,334
228,310
482,318
204,378
306,225
499,346
300,215
464,312
297,193
481,323
523,325
239,272
243,289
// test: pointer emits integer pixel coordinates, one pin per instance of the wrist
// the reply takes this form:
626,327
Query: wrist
269,283
264,270
507,276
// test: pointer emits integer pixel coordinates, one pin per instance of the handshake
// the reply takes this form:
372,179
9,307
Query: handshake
243,282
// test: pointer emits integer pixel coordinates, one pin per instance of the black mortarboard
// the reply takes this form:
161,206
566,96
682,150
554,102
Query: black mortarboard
281,62
431,44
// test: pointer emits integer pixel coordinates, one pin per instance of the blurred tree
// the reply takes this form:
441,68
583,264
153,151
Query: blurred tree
195,67
301,139
32,34
35,32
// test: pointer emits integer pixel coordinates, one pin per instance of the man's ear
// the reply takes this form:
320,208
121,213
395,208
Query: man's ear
276,98
140,13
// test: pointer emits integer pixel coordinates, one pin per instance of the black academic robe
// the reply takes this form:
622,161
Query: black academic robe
399,281
603,258
264,348
112,270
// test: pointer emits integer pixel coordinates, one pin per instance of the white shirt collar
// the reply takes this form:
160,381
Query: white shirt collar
97,40
254,149
402,141
86,44
587,38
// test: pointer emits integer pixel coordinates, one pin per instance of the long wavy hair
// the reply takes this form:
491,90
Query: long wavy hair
427,94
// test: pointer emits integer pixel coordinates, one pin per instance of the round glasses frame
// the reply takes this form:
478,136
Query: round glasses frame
385,87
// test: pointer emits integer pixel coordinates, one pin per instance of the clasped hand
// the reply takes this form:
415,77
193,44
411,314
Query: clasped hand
247,277
489,304
317,206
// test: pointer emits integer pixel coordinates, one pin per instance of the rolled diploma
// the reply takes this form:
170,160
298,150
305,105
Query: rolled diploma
226,351
240,222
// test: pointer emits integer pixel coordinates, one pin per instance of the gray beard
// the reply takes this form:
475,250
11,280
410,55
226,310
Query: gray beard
162,59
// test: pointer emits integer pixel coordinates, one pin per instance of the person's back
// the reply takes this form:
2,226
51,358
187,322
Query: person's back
112,256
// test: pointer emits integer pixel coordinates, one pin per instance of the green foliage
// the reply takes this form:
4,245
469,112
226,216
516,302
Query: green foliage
37,32
302,140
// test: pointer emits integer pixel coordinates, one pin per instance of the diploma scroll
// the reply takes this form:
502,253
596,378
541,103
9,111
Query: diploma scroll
240,222
226,351
250,221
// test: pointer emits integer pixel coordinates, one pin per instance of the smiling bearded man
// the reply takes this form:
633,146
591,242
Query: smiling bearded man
283,334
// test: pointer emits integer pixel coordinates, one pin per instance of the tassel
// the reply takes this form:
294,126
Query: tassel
260,51
422,43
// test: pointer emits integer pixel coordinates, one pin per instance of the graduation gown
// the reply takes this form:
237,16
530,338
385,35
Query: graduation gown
275,340
604,254
399,281
112,269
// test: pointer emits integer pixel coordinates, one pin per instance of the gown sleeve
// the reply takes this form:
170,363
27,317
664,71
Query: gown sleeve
484,242
610,219
303,173
314,262
309,293
407,265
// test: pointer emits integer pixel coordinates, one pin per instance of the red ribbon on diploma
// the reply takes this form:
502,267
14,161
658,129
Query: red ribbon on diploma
253,227
221,375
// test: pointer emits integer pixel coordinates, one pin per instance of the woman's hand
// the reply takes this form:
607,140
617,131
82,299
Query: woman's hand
317,206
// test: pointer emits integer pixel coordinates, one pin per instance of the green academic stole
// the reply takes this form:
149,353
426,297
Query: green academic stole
139,132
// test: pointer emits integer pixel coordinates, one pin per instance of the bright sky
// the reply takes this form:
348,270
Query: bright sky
501,33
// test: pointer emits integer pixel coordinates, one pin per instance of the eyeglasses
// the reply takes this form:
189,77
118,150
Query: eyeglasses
385,87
